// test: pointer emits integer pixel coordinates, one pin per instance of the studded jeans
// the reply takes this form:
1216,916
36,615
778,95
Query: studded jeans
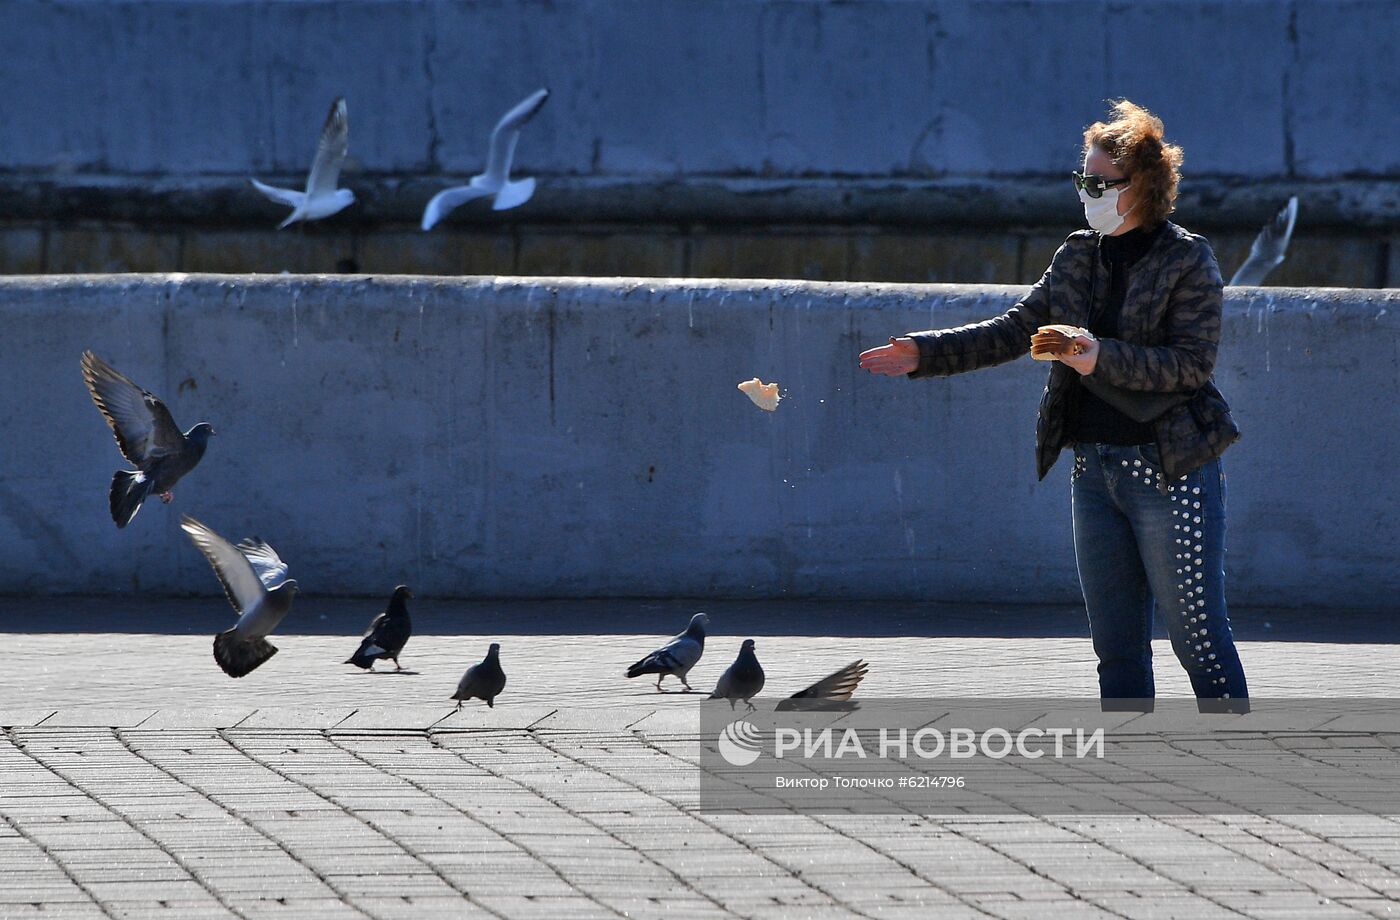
1139,549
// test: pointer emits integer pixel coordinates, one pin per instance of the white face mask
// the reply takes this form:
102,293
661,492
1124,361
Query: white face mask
1102,213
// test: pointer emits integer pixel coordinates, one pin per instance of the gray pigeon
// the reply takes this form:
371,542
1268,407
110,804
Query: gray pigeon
387,633
483,681
1269,247
676,657
830,694
255,580
147,437
321,198
742,680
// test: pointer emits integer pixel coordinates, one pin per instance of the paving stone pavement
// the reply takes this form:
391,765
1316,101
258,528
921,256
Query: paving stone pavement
136,780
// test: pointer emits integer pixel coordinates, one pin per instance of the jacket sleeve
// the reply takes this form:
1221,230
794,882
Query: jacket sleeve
944,352
1187,358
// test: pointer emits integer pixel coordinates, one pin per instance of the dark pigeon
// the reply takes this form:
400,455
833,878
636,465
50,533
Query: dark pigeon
255,580
742,680
387,633
146,435
830,694
676,657
483,681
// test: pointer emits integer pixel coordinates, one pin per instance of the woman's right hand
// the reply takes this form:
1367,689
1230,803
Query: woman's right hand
901,356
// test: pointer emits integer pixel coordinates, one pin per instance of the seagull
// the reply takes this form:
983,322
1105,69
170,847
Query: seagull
496,179
484,680
255,580
387,634
146,435
676,657
831,693
743,680
1269,247
321,198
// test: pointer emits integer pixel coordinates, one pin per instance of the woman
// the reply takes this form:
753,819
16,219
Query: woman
1135,401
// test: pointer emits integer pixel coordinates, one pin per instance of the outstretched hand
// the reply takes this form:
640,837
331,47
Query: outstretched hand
901,356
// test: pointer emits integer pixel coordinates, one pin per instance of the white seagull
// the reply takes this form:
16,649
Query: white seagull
1269,246
496,179
321,198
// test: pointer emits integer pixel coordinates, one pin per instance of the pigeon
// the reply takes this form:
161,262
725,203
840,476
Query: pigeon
147,437
387,633
742,680
1269,246
483,681
255,580
495,181
830,694
321,198
676,657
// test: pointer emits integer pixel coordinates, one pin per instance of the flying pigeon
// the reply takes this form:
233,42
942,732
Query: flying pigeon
831,693
256,582
495,181
387,634
676,657
1269,246
483,681
742,680
321,198
147,437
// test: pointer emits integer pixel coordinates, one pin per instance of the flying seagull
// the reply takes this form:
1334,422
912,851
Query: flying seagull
1269,246
831,693
742,680
676,657
321,198
496,179
387,634
146,435
256,582
484,680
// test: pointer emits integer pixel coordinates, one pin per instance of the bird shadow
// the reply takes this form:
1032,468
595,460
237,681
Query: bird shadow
406,672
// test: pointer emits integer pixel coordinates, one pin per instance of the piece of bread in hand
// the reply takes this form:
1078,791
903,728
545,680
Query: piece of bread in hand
1050,342
764,395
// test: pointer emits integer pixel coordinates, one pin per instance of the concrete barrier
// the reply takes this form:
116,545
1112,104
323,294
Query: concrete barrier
569,437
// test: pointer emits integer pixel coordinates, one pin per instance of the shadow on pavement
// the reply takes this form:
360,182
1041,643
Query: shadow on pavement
885,618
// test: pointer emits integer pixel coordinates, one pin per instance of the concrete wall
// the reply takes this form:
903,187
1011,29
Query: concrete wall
160,100
500,436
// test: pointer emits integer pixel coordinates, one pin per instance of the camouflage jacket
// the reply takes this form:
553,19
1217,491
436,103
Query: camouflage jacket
1168,333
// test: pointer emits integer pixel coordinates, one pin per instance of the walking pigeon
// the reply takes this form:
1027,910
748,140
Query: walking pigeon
387,634
495,181
676,657
321,198
742,680
1269,247
255,580
831,693
484,680
146,435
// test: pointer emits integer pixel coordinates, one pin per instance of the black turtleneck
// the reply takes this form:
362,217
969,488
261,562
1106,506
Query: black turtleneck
1091,419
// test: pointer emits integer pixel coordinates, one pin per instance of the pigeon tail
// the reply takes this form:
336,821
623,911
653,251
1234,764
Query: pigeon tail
129,489
655,663
366,655
241,656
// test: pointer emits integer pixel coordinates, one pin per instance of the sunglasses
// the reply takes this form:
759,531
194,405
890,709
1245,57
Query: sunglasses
1094,186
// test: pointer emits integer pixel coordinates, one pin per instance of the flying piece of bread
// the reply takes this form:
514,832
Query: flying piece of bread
1049,342
764,395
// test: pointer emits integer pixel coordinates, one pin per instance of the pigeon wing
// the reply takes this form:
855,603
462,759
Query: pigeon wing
330,151
507,132
269,568
139,421
241,583
289,197
1269,246
838,686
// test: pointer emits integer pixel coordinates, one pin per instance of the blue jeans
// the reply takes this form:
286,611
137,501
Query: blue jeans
1138,550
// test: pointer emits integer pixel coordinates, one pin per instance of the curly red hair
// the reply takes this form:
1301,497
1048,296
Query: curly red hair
1134,141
